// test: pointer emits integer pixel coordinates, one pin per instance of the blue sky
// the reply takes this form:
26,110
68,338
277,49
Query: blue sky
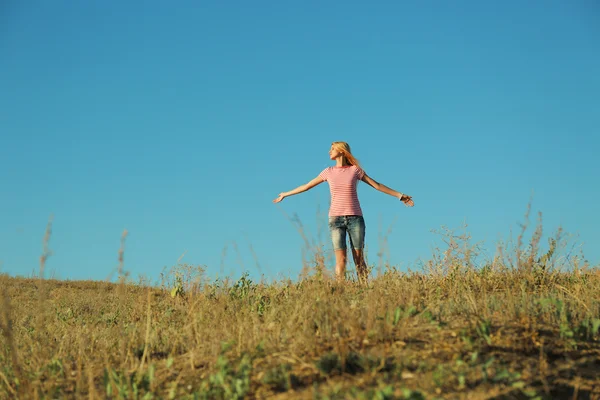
182,123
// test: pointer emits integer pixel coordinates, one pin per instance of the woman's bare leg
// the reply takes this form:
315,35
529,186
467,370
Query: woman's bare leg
361,266
340,264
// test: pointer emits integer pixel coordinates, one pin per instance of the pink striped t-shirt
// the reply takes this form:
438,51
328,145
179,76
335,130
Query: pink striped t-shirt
342,186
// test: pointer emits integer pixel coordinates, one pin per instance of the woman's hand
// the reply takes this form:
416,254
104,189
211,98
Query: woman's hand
299,189
279,198
407,200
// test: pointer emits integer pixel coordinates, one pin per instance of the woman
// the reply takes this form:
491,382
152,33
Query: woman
345,213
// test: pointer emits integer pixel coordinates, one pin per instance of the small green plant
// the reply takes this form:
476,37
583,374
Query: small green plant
126,385
400,312
484,330
243,287
565,330
589,328
56,368
177,290
542,264
409,394
485,368
397,315
440,376
262,304
231,380
385,393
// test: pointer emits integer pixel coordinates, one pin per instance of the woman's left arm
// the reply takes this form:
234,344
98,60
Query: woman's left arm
406,199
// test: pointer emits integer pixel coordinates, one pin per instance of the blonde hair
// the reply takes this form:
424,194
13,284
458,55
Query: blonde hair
344,148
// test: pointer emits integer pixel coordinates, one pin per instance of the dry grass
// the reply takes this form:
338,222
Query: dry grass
522,325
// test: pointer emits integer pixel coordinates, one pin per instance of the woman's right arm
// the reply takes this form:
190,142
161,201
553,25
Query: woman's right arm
299,189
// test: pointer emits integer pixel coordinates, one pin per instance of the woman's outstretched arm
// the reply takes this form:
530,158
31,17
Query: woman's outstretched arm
299,189
406,199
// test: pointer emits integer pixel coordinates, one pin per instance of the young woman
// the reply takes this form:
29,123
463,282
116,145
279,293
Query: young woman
345,213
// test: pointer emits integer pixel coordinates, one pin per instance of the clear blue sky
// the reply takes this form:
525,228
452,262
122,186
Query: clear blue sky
180,123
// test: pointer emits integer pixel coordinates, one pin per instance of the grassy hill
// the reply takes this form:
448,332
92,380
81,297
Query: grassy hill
500,331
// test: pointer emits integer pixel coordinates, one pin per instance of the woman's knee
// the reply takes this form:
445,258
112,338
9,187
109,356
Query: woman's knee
357,254
340,256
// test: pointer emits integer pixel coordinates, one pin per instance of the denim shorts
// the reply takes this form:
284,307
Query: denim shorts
354,225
